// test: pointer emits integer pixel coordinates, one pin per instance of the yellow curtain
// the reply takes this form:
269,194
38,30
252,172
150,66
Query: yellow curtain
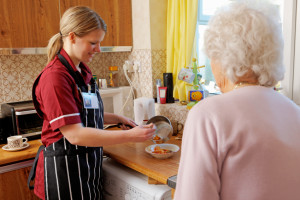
181,27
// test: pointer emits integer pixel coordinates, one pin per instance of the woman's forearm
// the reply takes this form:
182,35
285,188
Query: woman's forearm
84,136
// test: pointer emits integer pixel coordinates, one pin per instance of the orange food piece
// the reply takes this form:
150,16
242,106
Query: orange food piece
158,141
159,150
156,137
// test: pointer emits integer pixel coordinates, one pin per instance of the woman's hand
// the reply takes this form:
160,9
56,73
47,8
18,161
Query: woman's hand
111,118
125,121
142,133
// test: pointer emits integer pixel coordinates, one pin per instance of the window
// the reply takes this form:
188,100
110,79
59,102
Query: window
291,30
206,9
296,65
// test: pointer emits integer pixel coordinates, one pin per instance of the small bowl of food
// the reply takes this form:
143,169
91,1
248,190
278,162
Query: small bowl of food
162,151
156,139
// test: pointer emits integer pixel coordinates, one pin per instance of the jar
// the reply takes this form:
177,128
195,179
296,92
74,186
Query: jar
113,76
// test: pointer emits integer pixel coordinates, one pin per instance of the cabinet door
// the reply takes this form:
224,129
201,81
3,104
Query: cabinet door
13,185
28,23
31,23
115,13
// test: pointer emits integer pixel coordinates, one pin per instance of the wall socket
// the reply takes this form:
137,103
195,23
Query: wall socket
137,66
128,66
132,66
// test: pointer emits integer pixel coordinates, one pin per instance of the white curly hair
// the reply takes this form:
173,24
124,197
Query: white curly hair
246,36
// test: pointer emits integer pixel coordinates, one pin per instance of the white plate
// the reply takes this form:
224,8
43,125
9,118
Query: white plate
25,145
174,148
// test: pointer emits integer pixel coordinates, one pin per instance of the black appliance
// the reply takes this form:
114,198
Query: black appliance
20,118
2,131
168,82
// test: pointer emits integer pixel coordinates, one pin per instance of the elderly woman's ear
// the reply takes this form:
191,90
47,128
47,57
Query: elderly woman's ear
221,79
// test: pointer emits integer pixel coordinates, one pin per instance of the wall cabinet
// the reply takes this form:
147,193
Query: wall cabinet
27,23
31,23
115,13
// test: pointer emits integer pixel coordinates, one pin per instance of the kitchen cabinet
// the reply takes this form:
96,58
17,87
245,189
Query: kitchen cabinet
27,23
31,23
13,184
115,13
14,170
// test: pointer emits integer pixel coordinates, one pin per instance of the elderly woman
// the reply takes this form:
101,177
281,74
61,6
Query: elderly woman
245,143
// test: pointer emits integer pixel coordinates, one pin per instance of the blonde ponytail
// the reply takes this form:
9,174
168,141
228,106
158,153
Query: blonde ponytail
54,45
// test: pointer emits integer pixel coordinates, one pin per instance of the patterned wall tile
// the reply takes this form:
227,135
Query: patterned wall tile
174,111
17,72
28,73
11,78
118,59
100,63
143,83
159,64
2,94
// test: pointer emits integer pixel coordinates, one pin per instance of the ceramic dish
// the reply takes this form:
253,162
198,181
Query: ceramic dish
172,147
164,127
25,145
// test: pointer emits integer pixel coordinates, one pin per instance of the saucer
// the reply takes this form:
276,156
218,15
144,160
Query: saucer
25,145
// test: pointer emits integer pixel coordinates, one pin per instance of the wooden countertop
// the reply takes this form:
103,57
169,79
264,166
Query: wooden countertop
134,156
7,157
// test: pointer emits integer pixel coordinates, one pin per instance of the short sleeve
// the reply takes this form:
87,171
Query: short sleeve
58,93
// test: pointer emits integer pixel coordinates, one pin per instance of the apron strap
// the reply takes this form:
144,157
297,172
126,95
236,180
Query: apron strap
33,168
79,81
34,99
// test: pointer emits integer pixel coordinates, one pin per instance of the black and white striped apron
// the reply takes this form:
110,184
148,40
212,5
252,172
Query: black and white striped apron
72,171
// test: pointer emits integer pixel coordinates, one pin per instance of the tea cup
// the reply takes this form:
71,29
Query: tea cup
16,141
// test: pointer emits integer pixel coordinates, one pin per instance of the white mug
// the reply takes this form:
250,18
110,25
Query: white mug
186,75
16,141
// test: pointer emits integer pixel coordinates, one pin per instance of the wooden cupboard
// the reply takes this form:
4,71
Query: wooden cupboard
31,23
116,14
13,185
14,171
27,23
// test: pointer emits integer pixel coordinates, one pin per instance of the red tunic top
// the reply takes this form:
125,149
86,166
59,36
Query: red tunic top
60,103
